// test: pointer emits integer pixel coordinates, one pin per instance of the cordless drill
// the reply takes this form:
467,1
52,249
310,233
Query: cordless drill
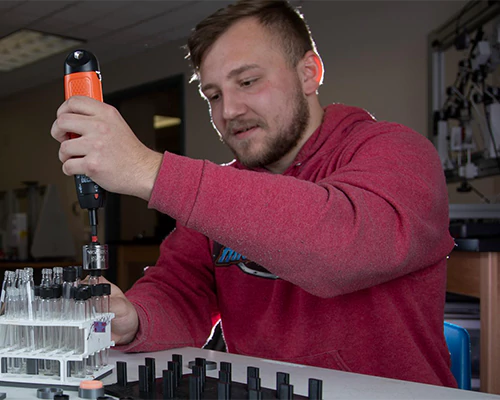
82,78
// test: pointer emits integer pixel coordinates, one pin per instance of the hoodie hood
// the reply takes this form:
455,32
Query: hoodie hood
338,120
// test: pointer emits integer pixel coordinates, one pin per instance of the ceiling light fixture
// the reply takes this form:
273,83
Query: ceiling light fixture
161,121
25,46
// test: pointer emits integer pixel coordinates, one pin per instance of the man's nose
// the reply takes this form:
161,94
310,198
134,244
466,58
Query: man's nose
233,106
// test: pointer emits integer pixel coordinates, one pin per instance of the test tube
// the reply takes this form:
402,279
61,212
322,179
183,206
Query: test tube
79,273
55,312
4,329
43,305
46,293
7,282
46,277
58,275
23,330
29,313
82,311
96,301
30,286
93,360
37,330
69,284
12,312
16,279
94,278
106,292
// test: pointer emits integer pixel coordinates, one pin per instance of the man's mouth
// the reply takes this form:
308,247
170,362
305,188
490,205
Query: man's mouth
242,131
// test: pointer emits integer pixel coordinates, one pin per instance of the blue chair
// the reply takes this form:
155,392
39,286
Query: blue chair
458,341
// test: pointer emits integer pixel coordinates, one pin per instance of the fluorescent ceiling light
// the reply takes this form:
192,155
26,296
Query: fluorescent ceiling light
25,47
161,121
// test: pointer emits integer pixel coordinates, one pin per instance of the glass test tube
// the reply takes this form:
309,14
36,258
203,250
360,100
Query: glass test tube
82,313
4,329
57,275
106,292
46,343
96,301
69,284
93,282
12,313
55,313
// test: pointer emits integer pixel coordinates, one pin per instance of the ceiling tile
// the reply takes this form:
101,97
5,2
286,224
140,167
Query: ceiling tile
42,8
112,29
8,5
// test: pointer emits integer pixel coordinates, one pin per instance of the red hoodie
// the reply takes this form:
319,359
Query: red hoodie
356,229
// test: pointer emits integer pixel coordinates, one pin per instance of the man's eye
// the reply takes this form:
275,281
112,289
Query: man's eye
214,97
248,82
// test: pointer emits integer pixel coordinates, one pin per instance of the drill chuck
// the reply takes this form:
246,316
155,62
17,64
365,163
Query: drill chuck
95,257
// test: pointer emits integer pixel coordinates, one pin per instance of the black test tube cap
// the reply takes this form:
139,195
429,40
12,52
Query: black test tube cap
106,288
168,384
121,373
69,274
315,390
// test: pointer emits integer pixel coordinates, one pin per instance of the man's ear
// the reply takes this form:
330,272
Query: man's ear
311,72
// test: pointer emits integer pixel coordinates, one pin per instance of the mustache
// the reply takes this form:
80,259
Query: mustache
237,125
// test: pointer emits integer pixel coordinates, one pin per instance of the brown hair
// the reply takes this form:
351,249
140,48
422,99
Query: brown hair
278,16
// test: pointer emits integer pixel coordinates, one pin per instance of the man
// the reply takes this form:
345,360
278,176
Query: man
324,243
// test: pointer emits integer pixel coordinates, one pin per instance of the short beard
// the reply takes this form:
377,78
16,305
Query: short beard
285,141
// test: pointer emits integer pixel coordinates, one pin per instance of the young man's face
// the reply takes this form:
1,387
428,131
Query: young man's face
256,100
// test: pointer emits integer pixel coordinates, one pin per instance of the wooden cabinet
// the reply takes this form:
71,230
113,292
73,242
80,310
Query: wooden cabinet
131,261
477,274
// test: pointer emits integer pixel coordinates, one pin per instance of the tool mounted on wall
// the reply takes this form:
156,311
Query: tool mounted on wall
83,78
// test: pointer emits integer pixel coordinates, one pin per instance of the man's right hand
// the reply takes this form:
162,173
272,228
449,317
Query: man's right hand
125,325
107,151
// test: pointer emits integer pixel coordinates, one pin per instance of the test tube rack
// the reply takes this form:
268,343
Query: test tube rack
97,333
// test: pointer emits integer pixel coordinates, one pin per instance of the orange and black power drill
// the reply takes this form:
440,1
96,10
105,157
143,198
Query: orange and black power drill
83,78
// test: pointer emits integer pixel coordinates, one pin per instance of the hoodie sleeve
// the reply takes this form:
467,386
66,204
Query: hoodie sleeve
175,300
380,212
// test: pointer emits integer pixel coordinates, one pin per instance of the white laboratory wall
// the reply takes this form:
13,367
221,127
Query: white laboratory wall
375,56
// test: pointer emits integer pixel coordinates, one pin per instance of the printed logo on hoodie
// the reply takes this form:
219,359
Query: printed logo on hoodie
224,256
